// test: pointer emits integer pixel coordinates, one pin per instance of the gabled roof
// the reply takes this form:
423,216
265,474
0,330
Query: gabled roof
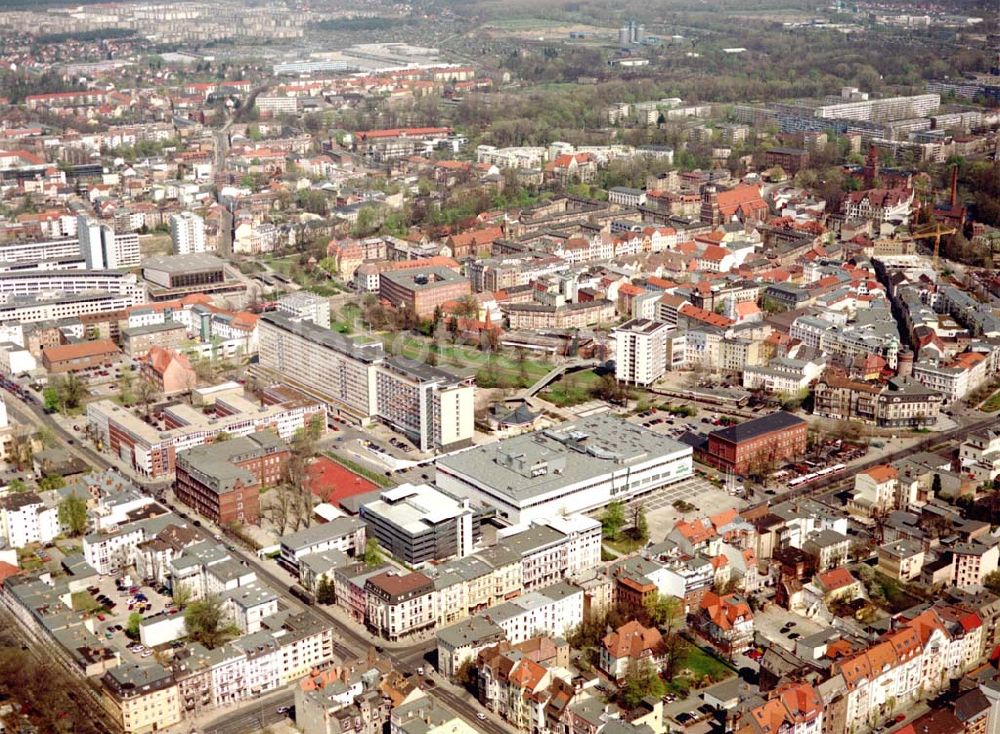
632,640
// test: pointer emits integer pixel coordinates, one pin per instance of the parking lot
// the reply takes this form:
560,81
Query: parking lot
782,627
115,622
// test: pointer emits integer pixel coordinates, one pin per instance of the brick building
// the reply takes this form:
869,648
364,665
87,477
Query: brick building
222,480
423,290
81,356
768,440
792,160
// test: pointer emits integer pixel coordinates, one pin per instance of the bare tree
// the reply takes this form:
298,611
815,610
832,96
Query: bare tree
146,393
279,507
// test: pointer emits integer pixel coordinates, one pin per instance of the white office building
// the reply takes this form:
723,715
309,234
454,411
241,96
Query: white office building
306,306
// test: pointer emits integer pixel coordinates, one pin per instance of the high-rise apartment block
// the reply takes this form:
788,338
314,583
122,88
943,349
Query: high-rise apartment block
104,249
187,232
641,351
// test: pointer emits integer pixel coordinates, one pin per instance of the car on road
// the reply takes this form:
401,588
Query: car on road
283,710
420,671
481,716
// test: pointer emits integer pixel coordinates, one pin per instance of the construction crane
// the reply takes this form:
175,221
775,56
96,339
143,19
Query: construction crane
933,231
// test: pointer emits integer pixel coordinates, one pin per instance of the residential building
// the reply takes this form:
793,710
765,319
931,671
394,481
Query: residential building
973,561
640,351
956,378
342,700
187,233
138,340
141,697
104,249
726,621
432,406
901,403
629,645
463,641
170,371
336,368
901,559
875,491
794,708
26,518
399,604
553,611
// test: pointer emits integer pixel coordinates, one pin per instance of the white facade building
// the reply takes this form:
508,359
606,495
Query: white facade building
187,233
640,351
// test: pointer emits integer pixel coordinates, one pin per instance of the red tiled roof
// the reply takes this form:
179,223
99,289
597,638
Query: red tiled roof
835,578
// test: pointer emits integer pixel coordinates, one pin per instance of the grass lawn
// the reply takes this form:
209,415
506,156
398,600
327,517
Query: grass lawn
572,389
992,405
286,265
345,320
697,669
69,548
506,370
897,598
84,602
625,544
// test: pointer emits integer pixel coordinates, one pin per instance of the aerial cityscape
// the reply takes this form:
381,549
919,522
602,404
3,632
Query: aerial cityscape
556,367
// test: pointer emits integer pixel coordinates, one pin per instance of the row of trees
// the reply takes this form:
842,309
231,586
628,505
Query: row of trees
290,503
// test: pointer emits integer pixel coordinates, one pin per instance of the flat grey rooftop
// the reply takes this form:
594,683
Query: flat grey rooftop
538,463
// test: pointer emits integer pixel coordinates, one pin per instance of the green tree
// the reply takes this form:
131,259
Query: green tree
373,553
222,436
71,391
641,681
640,525
992,581
73,514
132,627
17,485
181,595
126,386
206,624
50,399
665,610
467,675
325,593
146,394
613,519
52,481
